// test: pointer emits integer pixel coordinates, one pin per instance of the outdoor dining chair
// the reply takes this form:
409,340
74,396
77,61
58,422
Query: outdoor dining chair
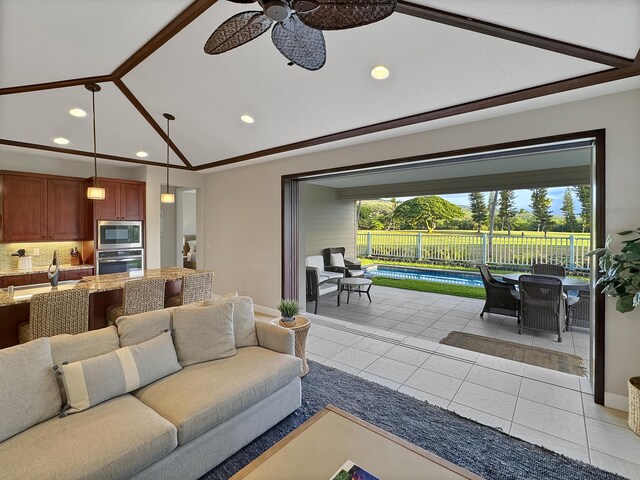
579,312
548,269
542,304
499,297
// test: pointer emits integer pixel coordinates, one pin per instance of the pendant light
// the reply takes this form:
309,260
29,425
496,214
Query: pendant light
94,192
168,197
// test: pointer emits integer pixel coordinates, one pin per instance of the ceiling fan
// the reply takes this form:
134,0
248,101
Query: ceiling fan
297,33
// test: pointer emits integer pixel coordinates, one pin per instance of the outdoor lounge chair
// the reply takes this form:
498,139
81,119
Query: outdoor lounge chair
317,262
335,260
499,298
317,288
542,304
548,269
579,311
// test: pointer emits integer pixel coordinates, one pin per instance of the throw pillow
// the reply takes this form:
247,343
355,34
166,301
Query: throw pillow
337,260
28,390
134,329
244,321
204,333
95,380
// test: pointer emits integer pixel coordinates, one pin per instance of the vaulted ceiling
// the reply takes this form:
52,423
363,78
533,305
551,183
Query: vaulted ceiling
446,57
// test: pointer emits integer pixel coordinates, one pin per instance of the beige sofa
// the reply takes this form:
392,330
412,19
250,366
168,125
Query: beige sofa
179,426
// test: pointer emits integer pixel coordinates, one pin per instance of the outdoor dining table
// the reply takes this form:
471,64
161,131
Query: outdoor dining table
568,283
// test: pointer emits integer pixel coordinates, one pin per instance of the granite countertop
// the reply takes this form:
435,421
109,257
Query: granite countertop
96,283
41,269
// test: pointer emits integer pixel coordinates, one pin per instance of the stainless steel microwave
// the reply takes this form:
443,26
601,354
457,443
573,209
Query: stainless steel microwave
117,234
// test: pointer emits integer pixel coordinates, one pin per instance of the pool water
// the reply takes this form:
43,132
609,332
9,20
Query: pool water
443,276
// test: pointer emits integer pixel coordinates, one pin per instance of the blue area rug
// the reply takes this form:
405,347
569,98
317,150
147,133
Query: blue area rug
483,450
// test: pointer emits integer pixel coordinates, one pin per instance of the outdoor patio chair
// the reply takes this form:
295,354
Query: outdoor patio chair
548,269
317,288
337,263
542,304
499,295
317,262
579,311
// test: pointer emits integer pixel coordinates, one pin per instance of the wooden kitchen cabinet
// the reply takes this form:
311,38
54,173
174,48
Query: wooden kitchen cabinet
76,274
124,200
42,207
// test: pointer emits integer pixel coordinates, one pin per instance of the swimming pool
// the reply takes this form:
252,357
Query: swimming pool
443,276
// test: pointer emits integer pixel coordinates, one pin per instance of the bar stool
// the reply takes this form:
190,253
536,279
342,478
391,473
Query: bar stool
195,288
138,296
54,313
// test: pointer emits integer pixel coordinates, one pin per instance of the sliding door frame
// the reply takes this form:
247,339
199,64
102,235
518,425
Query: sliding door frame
290,201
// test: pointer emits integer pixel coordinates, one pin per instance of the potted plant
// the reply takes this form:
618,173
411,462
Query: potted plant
288,308
621,279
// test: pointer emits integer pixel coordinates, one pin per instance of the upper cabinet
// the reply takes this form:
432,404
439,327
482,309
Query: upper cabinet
41,207
124,200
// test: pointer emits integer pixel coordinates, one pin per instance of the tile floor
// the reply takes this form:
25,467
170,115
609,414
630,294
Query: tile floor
394,341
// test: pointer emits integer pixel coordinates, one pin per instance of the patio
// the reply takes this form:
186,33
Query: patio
394,341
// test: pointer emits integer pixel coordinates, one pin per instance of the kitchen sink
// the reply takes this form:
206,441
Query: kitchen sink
39,285
24,292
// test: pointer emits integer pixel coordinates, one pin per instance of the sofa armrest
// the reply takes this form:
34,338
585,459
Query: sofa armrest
276,338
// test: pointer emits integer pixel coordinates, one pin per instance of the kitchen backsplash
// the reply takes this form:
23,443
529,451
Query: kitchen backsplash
7,262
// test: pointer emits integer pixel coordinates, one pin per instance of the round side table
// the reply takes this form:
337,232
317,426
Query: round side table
300,327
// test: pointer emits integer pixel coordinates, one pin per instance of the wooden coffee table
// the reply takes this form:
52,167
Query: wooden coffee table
318,447
354,284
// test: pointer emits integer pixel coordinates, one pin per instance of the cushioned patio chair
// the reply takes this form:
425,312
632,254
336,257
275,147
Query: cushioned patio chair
316,287
579,311
317,262
335,261
542,304
548,269
54,313
138,296
499,295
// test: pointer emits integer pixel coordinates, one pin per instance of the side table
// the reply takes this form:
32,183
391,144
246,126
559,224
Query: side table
300,327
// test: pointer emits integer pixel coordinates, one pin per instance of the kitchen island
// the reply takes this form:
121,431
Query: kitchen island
104,290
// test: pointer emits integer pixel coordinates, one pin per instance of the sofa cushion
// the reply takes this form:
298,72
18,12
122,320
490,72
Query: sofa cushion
133,329
114,440
29,392
204,395
97,379
73,348
244,321
204,333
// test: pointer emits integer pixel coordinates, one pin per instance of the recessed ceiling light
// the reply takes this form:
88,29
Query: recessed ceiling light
380,72
77,112
247,118
60,140
142,154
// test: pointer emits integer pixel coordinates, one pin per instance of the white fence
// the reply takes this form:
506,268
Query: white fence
516,250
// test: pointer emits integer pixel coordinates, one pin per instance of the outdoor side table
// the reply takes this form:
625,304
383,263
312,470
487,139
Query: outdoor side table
300,327
355,284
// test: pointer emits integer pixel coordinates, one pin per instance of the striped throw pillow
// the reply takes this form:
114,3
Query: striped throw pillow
98,379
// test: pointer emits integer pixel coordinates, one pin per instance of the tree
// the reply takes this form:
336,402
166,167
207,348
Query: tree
507,209
583,192
374,215
478,209
425,213
541,209
570,222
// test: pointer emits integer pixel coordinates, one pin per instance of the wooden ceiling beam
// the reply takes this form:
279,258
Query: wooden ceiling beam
460,109
511,34
184,18
52,85
147,116
82,153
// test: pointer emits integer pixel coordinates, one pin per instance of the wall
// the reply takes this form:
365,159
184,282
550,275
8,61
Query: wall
243,204
189,212
329,222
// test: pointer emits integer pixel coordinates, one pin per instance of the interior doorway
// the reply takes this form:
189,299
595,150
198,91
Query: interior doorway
178,231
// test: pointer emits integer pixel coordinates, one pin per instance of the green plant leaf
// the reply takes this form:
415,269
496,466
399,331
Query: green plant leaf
626,232
625,304
636,299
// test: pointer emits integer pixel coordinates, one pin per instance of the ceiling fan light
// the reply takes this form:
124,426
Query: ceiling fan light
380,72
95,193
167,198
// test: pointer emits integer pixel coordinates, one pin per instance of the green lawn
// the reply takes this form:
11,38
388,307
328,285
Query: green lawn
514,233
433,287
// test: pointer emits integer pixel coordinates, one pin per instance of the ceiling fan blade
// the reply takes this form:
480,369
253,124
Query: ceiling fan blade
341,14
305,6
299,43
236,31
243,1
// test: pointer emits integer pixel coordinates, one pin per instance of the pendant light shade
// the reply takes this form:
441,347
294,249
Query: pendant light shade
168,197
94,192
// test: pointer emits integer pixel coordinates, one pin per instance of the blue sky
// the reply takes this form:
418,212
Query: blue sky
523,198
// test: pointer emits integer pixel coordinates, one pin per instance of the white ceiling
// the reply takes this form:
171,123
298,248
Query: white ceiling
432,66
